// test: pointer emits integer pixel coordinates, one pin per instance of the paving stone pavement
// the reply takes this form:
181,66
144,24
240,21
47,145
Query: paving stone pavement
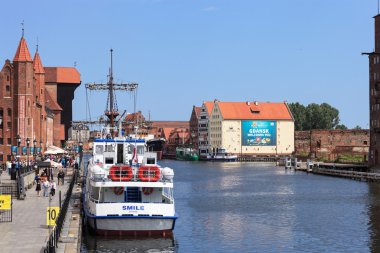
28,231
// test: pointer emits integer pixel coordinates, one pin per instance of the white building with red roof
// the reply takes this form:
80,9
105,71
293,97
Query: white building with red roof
251,128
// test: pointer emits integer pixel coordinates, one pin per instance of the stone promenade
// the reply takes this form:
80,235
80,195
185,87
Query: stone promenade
28,232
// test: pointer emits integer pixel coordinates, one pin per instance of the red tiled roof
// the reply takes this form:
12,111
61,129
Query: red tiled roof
22,53
170,124
37,64
197,110
167,131
255,110
62,75
209,106
50,103
132,117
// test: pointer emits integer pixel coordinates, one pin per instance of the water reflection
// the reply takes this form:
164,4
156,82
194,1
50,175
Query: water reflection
128,245
239,207
374,219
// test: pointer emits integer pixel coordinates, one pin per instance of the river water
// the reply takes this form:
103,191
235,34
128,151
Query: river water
245,207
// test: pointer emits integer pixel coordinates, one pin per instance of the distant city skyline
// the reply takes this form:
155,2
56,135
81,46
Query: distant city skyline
185,52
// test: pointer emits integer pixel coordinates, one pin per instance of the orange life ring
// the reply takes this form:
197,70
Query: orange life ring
149,173
147,190
118,190
121,173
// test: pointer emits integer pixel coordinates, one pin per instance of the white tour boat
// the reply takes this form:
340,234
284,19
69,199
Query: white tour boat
126,192
221,155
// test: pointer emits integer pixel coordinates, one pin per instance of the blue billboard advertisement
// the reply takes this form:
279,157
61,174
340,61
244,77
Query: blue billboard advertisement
258,132
14,150
23,150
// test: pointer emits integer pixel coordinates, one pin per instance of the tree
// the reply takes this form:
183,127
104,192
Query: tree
341,127
330,116
314,116
298,112
357,127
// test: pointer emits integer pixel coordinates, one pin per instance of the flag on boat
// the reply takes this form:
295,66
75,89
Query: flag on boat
134,157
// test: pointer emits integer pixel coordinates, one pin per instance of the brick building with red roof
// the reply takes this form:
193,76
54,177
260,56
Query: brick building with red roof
36,101
194,123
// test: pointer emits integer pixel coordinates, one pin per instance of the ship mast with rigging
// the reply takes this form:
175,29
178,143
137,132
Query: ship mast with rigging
112,111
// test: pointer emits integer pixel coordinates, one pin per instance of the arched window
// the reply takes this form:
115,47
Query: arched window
7,73
1,117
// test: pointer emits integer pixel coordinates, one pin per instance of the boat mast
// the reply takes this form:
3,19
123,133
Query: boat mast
112,114
112,111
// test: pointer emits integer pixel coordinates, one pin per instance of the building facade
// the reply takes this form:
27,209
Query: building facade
203,129
194,125
374,98
79,133
251,128
29,105
333,145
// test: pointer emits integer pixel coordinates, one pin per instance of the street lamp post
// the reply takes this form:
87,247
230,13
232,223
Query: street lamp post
27,155
34,150
41,148
18,138
80,151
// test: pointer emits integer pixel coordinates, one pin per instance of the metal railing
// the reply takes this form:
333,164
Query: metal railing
52,243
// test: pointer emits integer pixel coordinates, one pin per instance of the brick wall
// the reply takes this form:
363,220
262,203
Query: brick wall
329,145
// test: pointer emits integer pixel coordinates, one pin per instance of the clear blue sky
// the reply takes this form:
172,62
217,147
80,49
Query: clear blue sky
185,52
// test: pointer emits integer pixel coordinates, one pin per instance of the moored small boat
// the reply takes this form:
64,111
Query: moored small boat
186,154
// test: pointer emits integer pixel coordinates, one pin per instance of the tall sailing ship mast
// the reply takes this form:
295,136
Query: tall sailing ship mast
111,110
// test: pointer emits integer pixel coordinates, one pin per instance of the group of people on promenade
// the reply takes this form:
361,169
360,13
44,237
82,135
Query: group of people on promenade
62,161
48,185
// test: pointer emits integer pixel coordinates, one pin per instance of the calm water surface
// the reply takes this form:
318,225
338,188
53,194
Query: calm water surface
243,207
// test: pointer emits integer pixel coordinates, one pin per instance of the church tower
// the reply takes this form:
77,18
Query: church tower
39,115
23,92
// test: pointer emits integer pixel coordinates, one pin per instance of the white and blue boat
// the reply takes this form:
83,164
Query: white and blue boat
126,192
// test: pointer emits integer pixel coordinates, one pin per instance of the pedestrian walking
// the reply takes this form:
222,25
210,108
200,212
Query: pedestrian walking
61,176
38,185
45,186
52,188
9,167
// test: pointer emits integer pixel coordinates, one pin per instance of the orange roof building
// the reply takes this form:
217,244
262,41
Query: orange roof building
250,128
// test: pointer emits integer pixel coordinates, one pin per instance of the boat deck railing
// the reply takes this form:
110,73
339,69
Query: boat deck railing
97,201
101,177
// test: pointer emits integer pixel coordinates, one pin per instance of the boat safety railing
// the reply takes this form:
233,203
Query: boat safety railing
168,193
100,177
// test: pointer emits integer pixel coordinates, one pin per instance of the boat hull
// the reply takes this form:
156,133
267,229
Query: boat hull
132,226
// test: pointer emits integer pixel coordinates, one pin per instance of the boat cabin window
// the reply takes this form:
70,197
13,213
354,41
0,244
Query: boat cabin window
108,160
130,149
140,150
150,161
110,148
99,149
